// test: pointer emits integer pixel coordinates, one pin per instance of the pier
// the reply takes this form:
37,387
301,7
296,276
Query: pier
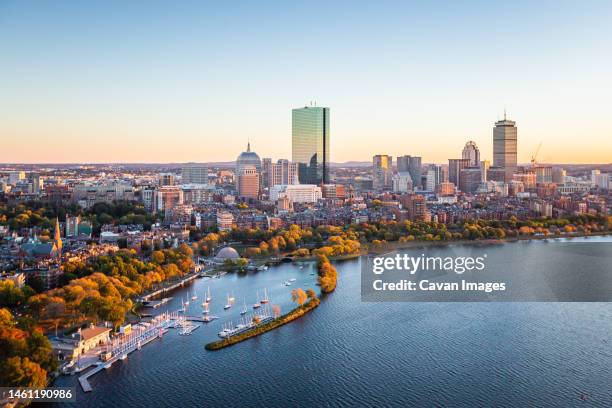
121,347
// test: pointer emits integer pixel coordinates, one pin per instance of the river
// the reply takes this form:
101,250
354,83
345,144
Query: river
352,353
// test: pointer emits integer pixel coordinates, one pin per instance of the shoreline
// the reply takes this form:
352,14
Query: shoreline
266,327
396,245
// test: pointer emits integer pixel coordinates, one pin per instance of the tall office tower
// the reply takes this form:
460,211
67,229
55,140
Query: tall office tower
434,177
310,144
403,164
414,166
505,147
249,182
470,151
247,158
166,179
558,176
484,169
382,172
454,169
283,172
411,164
266,164
469,179
195,173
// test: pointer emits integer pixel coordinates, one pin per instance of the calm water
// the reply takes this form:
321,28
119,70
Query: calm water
349,353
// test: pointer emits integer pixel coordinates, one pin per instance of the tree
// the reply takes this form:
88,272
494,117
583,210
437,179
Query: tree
298,296
310,293
22,372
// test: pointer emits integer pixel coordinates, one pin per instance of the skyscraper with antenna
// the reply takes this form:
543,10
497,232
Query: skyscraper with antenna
505,145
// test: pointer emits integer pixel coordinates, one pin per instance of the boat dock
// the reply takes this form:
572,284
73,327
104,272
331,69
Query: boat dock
166,289
121,347
246,323
156,303
202,319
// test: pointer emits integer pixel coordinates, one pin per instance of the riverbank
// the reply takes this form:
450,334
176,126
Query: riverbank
395,245
279,321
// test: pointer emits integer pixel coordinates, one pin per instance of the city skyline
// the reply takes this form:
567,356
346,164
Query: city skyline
84,83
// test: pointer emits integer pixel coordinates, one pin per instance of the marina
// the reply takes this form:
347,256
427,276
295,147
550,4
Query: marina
119,348
361,339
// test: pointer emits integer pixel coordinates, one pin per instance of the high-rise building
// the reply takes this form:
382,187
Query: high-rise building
166,198
282,172
471,152
266,164
411,164
416,206
382,172
434,177
528,179
454,169
543,173
469,179
166,179
249,182
247,158
194,173
415,171
594,174
310,144
403,164
484,169
559,175
72,226
505,147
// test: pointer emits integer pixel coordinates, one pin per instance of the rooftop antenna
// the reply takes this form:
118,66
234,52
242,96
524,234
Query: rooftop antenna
504,113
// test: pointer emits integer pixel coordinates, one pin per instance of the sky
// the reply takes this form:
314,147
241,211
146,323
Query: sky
119,81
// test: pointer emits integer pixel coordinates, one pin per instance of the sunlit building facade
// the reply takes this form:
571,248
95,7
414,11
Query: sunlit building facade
310,144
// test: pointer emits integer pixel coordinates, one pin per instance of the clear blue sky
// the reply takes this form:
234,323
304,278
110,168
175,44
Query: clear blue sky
192,81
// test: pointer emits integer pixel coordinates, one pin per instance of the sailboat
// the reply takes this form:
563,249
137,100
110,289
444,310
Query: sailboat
228,304
208,297
232,298
194,296
244,309
256,304
205,308
182,309
265,298
187,302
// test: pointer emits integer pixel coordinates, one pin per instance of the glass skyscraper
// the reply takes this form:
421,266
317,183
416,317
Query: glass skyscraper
310,144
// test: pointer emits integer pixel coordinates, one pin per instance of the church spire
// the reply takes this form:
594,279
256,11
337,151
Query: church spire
248,146
57,239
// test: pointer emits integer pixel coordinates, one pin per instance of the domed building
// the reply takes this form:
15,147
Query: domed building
227,253
245,159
